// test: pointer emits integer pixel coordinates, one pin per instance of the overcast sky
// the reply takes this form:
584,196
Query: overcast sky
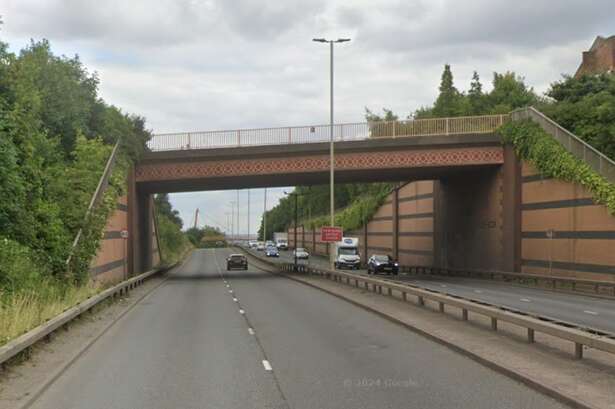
215,64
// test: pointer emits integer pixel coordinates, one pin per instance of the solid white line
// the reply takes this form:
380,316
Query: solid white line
250,331
590,312
242,312
267,365
526,300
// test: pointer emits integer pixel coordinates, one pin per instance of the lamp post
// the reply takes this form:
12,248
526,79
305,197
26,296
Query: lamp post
232,203
331,148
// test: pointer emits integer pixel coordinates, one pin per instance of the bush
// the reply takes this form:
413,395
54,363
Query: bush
551,159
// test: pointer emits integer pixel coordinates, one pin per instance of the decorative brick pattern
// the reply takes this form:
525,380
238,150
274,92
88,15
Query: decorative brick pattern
319,163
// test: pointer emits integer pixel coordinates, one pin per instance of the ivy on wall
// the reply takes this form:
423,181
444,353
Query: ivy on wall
551,159
353,216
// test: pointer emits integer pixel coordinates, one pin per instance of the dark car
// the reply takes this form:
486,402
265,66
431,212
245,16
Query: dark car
272,251
236,261
382,264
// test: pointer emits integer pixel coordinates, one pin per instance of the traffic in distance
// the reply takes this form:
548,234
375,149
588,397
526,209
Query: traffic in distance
346,256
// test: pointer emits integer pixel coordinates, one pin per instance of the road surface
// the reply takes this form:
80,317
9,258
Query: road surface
208,338
582,310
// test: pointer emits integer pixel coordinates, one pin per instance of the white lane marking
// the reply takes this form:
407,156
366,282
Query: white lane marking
590,312
242,311
526,300
230,291
250,331
478,291
234,299
442,285
267,365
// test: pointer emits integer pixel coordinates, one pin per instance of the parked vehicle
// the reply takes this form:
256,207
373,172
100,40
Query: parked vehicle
347,253
237,261
301,253
272,251
260,246
379,263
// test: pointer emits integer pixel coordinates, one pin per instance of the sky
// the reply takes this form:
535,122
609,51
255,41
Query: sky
189,65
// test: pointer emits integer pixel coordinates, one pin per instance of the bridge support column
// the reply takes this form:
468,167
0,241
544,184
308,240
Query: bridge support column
142,238
511,197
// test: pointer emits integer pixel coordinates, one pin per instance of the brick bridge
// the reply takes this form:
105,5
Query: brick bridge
482,206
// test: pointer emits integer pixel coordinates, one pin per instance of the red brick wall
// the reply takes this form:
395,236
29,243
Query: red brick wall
110,263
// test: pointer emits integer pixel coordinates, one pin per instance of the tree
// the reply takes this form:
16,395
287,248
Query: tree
510,92
586,106
448,101
163,207
476,98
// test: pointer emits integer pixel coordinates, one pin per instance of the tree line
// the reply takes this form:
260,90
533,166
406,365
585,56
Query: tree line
585,106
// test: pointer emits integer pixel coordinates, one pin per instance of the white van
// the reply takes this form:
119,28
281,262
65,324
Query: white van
347,253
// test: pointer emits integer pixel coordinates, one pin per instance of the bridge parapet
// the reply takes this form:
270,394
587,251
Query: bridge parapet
322,133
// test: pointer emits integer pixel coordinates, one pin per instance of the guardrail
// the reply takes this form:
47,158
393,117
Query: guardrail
566,331
18,345
576,146
556,283
322,133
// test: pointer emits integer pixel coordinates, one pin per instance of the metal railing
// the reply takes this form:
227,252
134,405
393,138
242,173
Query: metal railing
580,336
321,133
576,146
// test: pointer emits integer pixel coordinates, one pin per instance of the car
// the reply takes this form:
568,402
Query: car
379,263
252,244
269,243
237,261
301,253
272,251
260,246
282,244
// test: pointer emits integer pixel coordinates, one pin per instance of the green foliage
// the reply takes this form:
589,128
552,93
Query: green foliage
354,202
551,159
197,234
56,135
449,101
586,107
164,208
173,242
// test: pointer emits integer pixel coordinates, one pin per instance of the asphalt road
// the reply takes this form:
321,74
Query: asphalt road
208,338
583,310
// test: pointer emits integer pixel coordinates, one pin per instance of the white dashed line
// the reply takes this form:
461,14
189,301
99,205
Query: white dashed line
230,291
267,365
526,300
234,299
250,331
590,312
442,285
242,312
478,291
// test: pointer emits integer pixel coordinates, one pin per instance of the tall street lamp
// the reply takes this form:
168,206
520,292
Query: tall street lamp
331,150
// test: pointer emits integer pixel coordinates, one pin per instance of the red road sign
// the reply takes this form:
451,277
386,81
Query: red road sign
329,234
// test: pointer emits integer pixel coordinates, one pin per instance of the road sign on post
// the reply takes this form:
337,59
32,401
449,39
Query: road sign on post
330,234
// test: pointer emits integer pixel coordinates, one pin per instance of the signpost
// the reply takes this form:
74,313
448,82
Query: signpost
330,234
124,236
